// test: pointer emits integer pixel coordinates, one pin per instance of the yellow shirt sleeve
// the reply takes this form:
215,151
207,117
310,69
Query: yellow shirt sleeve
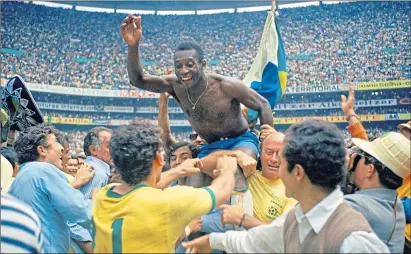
188,203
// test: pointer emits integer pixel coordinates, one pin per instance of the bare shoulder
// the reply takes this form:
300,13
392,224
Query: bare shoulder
224,82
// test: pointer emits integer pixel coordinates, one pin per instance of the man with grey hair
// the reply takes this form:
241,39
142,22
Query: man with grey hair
96,148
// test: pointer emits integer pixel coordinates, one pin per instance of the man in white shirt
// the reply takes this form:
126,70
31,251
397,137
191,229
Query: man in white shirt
312,167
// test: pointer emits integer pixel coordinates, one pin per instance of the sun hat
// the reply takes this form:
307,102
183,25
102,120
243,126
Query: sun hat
405,125
391,149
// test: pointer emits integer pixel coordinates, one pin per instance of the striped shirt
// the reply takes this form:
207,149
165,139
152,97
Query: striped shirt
20,227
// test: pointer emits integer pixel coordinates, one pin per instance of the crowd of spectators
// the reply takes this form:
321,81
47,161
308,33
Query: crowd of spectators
326,44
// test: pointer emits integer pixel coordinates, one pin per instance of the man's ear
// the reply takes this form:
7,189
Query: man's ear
371,170
40,149
93,150
299,173
204,64
159,159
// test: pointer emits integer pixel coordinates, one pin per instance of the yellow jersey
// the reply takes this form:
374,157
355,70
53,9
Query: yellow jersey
269,200
70,178
403,191
146,219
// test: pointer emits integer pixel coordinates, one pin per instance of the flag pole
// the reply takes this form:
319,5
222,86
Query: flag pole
273,5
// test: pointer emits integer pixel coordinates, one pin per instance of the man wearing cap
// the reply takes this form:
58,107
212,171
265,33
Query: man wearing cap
379,168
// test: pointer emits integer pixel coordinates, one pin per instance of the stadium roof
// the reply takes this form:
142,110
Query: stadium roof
177,4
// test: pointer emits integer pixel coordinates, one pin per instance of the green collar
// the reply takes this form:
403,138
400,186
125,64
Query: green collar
112,194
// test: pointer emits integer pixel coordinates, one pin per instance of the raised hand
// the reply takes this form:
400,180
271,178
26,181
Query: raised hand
347,105
189,167
246,162
225,163
266,130
232,214
199,245
131,29
85,173
195,225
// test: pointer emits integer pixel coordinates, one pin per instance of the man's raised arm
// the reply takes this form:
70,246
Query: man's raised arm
131,31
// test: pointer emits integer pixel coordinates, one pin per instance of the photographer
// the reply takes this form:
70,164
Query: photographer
378,170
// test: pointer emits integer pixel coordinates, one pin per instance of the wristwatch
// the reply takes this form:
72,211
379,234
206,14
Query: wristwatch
352,115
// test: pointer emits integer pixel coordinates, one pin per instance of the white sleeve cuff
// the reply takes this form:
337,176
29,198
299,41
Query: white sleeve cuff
216,241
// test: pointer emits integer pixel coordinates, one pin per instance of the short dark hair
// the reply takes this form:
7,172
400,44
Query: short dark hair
319,148
62,138
386,177
29,139
188,45
93,138
133,148
9,154
195,150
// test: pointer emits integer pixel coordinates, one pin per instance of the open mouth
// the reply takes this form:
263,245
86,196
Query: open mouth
274,168
185,79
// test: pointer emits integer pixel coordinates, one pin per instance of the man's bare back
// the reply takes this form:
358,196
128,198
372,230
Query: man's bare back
211,103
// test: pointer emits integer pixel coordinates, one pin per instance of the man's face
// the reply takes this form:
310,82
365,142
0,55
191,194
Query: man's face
188,69
199,141
287,178
72,167
406,132
270,161
179,155
66,155
103,151
361,170
54,152
80,162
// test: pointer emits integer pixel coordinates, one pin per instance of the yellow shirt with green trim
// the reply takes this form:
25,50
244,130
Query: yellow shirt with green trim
269,200
146,219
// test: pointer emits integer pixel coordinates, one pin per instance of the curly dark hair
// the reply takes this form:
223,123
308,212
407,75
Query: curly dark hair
133,148
319,148
29,139
195,149
188,45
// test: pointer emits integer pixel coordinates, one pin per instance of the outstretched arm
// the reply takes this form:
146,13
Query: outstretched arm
164,122
131,31
355,127
250,98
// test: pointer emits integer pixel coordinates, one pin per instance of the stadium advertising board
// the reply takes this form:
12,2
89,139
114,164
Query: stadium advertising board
330,104
69,120
84,108
384,85
145,94
315,89
333,119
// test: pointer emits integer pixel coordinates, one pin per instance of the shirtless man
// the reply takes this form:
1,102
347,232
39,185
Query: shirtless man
210,102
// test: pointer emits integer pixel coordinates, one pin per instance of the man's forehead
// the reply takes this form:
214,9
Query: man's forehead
189,54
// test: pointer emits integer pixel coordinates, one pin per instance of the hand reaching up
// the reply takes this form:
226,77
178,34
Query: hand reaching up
131,30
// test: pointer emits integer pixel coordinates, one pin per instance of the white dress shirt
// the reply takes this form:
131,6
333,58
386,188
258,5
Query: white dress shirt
270,238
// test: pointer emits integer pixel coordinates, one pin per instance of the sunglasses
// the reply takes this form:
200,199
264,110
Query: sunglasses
360,154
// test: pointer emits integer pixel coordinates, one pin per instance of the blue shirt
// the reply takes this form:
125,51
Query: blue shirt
45,188
377,206
100,179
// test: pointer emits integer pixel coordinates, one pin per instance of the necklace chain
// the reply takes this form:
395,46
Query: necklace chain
194,104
